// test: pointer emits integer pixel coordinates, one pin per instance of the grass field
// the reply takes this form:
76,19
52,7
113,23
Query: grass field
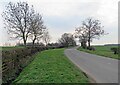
10,47
51,66
103,51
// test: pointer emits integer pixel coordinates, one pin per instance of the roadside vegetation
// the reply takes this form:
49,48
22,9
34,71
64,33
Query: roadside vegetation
102,50
15,59
51,66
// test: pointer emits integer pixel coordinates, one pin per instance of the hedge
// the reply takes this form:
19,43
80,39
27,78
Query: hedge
13,61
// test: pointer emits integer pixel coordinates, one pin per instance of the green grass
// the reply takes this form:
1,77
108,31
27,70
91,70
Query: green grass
103,51
51,66
10,47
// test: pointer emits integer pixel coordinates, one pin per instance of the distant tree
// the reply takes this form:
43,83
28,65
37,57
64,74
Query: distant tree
81,34
35,44
91,29
46,37
19,44
17,19
41,44
36,27
54,44
67,39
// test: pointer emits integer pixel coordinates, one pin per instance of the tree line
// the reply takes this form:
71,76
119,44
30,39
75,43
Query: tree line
23,22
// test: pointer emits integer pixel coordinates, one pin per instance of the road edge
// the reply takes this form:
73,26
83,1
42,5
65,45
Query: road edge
90,79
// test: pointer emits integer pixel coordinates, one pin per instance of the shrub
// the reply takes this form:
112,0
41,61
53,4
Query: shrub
61,46
83,44
91,48
115,50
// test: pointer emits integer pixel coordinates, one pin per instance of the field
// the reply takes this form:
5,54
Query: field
51,66
103,51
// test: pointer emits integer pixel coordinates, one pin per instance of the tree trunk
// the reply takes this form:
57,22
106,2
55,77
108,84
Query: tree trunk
89,38
24,39
88,43
33,42
24,42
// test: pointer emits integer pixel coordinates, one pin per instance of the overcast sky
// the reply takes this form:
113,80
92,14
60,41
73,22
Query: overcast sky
61,16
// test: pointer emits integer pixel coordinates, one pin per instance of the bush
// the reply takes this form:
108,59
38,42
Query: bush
61,46
115,50
91,48
83,44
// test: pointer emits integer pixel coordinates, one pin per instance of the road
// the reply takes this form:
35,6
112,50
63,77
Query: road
98,68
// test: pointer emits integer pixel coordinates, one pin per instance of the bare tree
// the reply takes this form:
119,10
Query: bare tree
46,37
17,19
91,29
80,33
67,39
36,27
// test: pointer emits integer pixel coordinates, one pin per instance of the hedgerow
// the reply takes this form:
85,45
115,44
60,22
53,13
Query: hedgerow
13,61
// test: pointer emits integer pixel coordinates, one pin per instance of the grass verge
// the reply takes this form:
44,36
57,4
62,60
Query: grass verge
51,66
103,51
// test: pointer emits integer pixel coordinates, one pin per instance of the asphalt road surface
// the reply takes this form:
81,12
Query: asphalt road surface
98,68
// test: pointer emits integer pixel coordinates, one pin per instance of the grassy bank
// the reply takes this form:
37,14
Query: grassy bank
103,51
51,66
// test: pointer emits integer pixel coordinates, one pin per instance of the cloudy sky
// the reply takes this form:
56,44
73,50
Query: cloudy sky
62,16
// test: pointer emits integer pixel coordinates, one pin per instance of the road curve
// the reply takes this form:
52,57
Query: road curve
101,69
